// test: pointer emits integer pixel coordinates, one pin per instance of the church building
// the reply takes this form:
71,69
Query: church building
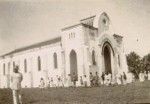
90,46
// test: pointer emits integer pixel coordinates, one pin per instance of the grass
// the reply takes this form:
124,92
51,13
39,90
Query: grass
133,93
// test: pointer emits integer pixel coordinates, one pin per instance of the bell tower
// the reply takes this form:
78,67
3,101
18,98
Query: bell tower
103,23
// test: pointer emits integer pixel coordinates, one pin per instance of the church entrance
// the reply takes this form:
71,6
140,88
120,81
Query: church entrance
73,65
107,59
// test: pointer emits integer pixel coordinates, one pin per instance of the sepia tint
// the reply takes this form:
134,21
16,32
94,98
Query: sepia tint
74,52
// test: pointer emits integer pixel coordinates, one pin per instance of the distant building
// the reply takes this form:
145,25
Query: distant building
90,46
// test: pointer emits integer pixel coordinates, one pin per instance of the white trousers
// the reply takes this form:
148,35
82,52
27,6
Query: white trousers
16,97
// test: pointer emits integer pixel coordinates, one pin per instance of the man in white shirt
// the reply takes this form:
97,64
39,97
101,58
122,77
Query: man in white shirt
84,81
16,80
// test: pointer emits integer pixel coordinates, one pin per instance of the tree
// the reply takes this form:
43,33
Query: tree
134,63
146,62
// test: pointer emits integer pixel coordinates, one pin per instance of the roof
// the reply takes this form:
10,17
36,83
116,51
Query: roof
85,25
88,18
40,44
116,35
72,26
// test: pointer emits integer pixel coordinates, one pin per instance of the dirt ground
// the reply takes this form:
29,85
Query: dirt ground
128,94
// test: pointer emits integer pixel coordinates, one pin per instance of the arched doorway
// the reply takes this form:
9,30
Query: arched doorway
73,64
107,59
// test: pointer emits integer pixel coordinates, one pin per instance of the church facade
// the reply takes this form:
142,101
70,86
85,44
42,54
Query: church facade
90,46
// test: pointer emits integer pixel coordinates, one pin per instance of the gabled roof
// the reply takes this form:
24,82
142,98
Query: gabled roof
88,18
40,44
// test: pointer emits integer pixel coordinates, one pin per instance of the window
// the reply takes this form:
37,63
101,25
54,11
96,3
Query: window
39,63
4,69
8,67
71,35
104,21
93,58
119,60
25,65
55,60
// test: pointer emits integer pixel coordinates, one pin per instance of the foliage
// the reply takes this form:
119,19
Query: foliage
146,62
137,64
134,63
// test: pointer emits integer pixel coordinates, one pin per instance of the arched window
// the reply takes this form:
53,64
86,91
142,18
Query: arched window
4,69
8,67
119,60
93,58
55,60
39,63
25,65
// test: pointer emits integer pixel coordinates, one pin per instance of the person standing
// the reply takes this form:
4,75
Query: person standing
148,75
141,76
69,82
103,77
42,83
49,82
52,82
145,75
91,79
84,81
119,79
81,81
74,78
124,78
16,80
96,79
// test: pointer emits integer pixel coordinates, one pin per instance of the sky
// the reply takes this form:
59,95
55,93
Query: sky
26,22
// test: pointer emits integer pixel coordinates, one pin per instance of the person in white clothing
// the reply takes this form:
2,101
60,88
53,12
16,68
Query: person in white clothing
119,79
42,83
141,76
129,78
69,83
84,81
148,75
16,79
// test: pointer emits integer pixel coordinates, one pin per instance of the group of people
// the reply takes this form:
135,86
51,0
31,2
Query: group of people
95,81
144,75
52,82
106,79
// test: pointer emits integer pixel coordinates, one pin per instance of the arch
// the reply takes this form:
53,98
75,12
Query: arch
73,64
55,60
93,58
106,52
25,65
39,63
106,43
